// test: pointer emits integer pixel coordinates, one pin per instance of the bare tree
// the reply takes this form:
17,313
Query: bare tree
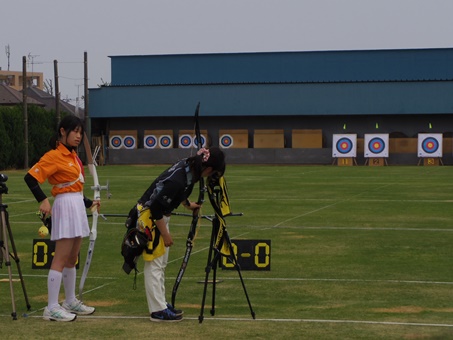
103,83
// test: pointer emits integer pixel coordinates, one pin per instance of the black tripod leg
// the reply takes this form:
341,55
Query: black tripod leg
235,262
208,271
215,265
16,259
5,250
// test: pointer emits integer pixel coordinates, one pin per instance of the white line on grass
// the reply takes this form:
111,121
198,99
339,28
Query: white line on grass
332,321
345,280
324,207
46,275
370,322
332,199
23,201
364,228
265,279
351,199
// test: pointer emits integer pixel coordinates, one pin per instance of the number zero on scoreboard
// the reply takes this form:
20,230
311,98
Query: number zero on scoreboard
43,252
250,254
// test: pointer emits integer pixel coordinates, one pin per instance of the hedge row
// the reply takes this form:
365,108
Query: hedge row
41,126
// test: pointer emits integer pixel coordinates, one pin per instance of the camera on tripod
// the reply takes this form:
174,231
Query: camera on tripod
3,187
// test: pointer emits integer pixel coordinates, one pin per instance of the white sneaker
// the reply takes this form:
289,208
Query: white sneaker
58,314
77,307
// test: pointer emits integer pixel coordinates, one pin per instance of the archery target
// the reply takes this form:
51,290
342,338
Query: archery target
226,141
376,145
116,142
185,141
429,145
165,142
203,141
344,145
129,142
150,142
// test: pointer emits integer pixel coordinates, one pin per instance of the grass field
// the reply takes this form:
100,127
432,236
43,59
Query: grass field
356,253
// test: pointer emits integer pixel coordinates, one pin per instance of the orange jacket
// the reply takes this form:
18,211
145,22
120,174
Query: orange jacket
62,168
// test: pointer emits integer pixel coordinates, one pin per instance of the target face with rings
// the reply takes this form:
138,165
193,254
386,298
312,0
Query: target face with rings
129,142
116,142
203,141
226,141
376,145
429,145
344,145
150,142
185,141
165,142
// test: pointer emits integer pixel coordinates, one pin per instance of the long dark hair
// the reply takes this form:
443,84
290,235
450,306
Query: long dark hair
216,160
68,123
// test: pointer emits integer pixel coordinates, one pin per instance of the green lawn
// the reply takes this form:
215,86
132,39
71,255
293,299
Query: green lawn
356,253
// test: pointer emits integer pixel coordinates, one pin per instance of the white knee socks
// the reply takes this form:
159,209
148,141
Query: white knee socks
54,284
69,283
53,287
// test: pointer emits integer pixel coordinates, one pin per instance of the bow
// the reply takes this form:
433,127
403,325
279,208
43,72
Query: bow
97,197
195,215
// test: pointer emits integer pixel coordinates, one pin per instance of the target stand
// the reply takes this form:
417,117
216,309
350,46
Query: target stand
376,149
344,161
376,161
430,161
344,149
430,149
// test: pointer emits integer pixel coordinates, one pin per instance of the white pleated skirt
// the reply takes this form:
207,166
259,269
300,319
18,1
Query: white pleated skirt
69,217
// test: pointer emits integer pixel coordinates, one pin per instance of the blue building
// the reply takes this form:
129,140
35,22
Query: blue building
399,92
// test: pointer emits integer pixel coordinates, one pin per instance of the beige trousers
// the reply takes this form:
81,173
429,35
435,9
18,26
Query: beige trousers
154,274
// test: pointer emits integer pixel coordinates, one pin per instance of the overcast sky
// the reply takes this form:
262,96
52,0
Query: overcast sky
61,30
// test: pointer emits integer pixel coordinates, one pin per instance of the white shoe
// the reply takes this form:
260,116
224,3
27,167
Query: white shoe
58,314
77,307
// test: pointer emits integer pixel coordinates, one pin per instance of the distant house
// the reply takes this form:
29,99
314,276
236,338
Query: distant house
50,104
12,97
35,96
15,79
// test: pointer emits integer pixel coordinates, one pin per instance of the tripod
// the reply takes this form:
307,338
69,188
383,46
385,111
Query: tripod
220,245
5,254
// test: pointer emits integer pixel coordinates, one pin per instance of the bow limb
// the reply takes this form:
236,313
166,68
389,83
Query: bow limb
97,197
202,189
195,216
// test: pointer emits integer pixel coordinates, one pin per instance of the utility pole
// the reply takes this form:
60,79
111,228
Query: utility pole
57,92
25,108
85,95
85,100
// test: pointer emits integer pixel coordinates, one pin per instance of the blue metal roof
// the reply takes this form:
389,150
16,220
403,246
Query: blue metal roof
273,99
279,83
278,67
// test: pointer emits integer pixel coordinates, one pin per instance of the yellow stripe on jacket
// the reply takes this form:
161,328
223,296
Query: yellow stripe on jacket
145,221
